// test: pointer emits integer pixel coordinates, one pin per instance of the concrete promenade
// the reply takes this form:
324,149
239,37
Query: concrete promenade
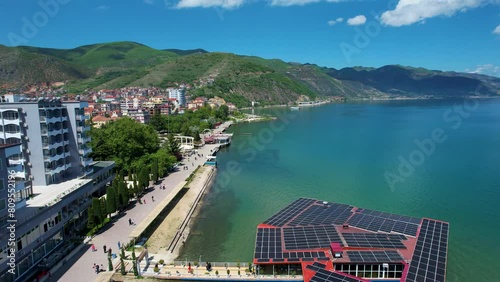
80,267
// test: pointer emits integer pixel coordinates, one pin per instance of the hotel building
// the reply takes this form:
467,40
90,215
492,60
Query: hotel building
44,153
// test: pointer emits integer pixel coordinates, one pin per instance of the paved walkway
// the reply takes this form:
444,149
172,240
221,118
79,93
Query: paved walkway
80,267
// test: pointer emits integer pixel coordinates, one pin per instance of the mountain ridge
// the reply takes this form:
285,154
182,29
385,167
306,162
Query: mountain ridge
235,77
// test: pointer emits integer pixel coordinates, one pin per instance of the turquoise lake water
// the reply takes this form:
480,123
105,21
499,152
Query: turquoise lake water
343,153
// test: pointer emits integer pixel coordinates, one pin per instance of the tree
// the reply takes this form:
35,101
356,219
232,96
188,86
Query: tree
90,218
136,186
122,267
144,178
110,263
124,194
134,262
104,210
111,200
96,210
222,112
123,141
158,122
117,198
154,170
173,147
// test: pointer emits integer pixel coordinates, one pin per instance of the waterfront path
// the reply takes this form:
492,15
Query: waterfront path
79,267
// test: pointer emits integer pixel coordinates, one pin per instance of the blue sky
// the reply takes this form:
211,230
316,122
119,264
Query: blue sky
459,35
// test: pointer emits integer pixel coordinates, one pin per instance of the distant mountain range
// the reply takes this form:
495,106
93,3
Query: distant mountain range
236,78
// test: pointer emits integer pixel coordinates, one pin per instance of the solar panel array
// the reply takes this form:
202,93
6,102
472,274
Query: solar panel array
379,221
268,244
290,211
320,214
429,258
372,240
312,237
374,256
323,275
301,255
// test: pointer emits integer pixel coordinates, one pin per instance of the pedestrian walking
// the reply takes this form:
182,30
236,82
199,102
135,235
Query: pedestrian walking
96,268
102,267
93,248
104,247
144,201
152,198
129,221
119,245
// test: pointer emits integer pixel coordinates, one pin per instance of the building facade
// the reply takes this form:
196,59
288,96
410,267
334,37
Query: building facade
179,94
53,136
44,158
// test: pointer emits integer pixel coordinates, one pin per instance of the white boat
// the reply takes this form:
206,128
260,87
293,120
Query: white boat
294,108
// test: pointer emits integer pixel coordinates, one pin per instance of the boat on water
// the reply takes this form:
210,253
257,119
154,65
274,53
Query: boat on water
294,108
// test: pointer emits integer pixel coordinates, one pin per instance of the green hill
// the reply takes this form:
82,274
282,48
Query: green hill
239,79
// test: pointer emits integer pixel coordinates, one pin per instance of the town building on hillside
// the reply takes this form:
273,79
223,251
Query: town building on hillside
179,94
99,121
139,115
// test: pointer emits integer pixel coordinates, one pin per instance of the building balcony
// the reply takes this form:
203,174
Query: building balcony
12,121
55,119
56,145
85,151
54,132
16,162
57,169
84,140
13,135
81,117
82,128
86,162
19,175
15,167
54,158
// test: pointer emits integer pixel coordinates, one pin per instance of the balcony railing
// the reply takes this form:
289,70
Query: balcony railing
85,151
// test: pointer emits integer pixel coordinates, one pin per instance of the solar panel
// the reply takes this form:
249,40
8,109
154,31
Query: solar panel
290,211
268,243
374,256
325,275
429,258
372,240
312,237
377,221
321,214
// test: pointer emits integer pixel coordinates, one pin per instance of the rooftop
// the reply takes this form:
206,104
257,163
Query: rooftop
48,195
329,235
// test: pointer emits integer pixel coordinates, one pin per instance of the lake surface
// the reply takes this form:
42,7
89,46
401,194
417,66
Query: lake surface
351,153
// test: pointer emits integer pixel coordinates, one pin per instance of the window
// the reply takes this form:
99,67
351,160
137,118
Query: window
3,204
1,184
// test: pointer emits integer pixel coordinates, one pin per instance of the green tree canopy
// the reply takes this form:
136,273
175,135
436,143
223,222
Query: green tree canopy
123,141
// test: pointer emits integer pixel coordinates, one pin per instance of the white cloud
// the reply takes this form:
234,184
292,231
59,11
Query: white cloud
227,4
497,30
334,22
488,69
408,12
357,20
292,2
149,2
